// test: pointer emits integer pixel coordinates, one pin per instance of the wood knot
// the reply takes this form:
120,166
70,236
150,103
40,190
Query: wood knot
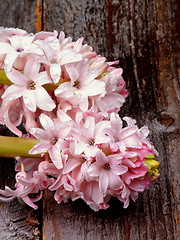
165,118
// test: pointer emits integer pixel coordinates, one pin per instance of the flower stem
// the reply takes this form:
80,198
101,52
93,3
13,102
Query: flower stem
5,81
14,147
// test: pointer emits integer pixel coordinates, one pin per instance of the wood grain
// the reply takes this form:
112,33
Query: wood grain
143,36
18,221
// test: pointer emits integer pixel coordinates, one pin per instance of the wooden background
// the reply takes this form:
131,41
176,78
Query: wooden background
143,35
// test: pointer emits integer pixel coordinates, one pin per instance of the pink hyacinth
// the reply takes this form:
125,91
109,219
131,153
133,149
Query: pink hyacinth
67,97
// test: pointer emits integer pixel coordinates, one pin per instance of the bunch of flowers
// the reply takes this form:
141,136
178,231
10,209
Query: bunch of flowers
62,101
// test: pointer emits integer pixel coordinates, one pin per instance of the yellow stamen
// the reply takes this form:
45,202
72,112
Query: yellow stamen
54,140
91,142
76,84
31,85
107,166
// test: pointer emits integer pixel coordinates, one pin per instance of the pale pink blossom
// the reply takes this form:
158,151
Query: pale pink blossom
52,138
136,167
85,50
43,35
11,115
54,57
99,64
127,137
88,135
25,186
29,86
76,162
65,42
115,92
108,169
83,84
17,49
91,194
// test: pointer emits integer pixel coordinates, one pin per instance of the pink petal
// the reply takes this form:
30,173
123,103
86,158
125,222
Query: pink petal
11,126
83,67
100,136
139,185
67,186
39,134
24,41
42,78
43,100
73,73
87,79
9,60
101,158
29,100
78,44
28,201
116,121
40,147
119,170
89,127
83,103
13,92
93,170
31,68
128,131
64,90
71,164
103,181
46,122
5,48
56,184
55,71
17,77
22,192
63,131
55,155
69,56
133,142
143,132
96,87
6,199
110,102
115,182
97,196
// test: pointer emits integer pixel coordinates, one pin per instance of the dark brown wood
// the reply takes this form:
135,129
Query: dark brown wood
143,36
18,221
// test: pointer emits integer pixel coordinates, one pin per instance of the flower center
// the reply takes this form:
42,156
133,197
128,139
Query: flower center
91,142
20,50
53,61
31,85
83,160
76,84
54,140
107,166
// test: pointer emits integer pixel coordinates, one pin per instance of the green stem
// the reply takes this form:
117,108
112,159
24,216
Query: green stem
5,81
14,147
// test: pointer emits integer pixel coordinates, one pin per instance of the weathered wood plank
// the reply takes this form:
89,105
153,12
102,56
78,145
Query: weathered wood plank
143,35
17,221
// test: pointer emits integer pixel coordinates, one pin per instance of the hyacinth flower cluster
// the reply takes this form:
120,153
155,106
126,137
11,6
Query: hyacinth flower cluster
61,100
